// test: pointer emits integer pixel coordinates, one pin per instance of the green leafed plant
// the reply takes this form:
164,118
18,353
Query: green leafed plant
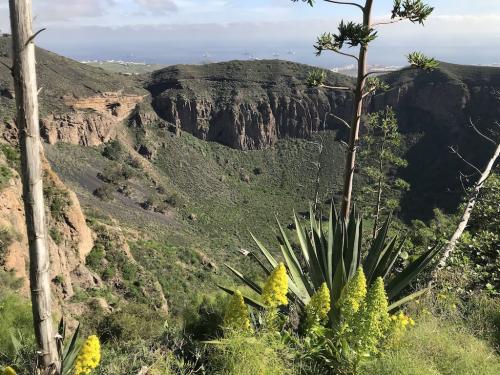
332,255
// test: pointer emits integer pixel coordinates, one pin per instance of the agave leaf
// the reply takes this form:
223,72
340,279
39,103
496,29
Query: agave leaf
339,280
70,352
351,253
265,252
338,245
321,257
390,258
330,249
305,245
260,263
245,279
374,253
404,279
248,300
288,247
382,258
313,265
296,275
407,299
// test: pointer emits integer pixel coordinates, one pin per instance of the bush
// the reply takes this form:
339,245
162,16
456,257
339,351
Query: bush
5,176
436,347
56,235
96,255
11,154
104,192
113,150
6,239
16,320
57,200
133,322
263,354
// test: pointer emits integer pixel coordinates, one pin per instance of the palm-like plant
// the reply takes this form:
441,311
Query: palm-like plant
332,255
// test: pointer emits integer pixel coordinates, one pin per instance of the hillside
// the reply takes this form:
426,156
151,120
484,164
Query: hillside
173,168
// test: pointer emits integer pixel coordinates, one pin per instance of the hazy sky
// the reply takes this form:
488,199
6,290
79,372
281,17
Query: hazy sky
191,31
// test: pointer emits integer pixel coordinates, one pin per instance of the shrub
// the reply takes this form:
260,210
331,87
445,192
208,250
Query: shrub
104,192
113,150
16,320
132,322
243,355
5,176
57,200
11,154
6,238
96,255
56,235
436,347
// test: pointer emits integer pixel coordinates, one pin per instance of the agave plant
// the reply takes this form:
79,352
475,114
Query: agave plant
333,255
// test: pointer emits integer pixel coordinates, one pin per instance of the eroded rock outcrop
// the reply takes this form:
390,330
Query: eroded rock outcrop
91,120
69,238
247,105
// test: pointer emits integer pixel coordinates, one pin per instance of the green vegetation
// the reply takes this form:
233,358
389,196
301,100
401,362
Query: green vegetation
6,238
5,176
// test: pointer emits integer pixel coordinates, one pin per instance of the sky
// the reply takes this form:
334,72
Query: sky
195,31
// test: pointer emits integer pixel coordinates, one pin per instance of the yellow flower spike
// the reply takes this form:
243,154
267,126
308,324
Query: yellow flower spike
374,318
89,356
353,294
276,288
236,316
318,307
9,371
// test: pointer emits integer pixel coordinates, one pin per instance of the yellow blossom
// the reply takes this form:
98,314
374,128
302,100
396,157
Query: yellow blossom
353,295
89,356
8,371
276,288
397,327
374,318
236,316
318,307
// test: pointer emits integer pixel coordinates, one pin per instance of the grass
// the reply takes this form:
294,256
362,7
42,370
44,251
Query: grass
437,347
187,255
244,355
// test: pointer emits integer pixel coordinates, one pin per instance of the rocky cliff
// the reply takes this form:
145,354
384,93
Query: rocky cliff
252,104
246,105
69,238
89,121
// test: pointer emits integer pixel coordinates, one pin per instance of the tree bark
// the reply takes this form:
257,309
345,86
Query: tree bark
350,163
31,167
450,247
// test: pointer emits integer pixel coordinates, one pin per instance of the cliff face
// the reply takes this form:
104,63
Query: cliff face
251,104
69,238
90,121
246,105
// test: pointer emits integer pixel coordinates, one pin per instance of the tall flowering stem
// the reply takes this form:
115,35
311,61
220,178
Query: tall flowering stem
89,357
276,288
236,317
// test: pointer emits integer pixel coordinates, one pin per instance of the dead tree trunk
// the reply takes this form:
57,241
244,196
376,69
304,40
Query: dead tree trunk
29,139
450,247
350,163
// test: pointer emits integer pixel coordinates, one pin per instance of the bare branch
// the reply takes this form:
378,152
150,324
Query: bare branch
388,22
345,54
8,67
341,120
346,3
336,87
368,93
455,151
481,134
34,36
